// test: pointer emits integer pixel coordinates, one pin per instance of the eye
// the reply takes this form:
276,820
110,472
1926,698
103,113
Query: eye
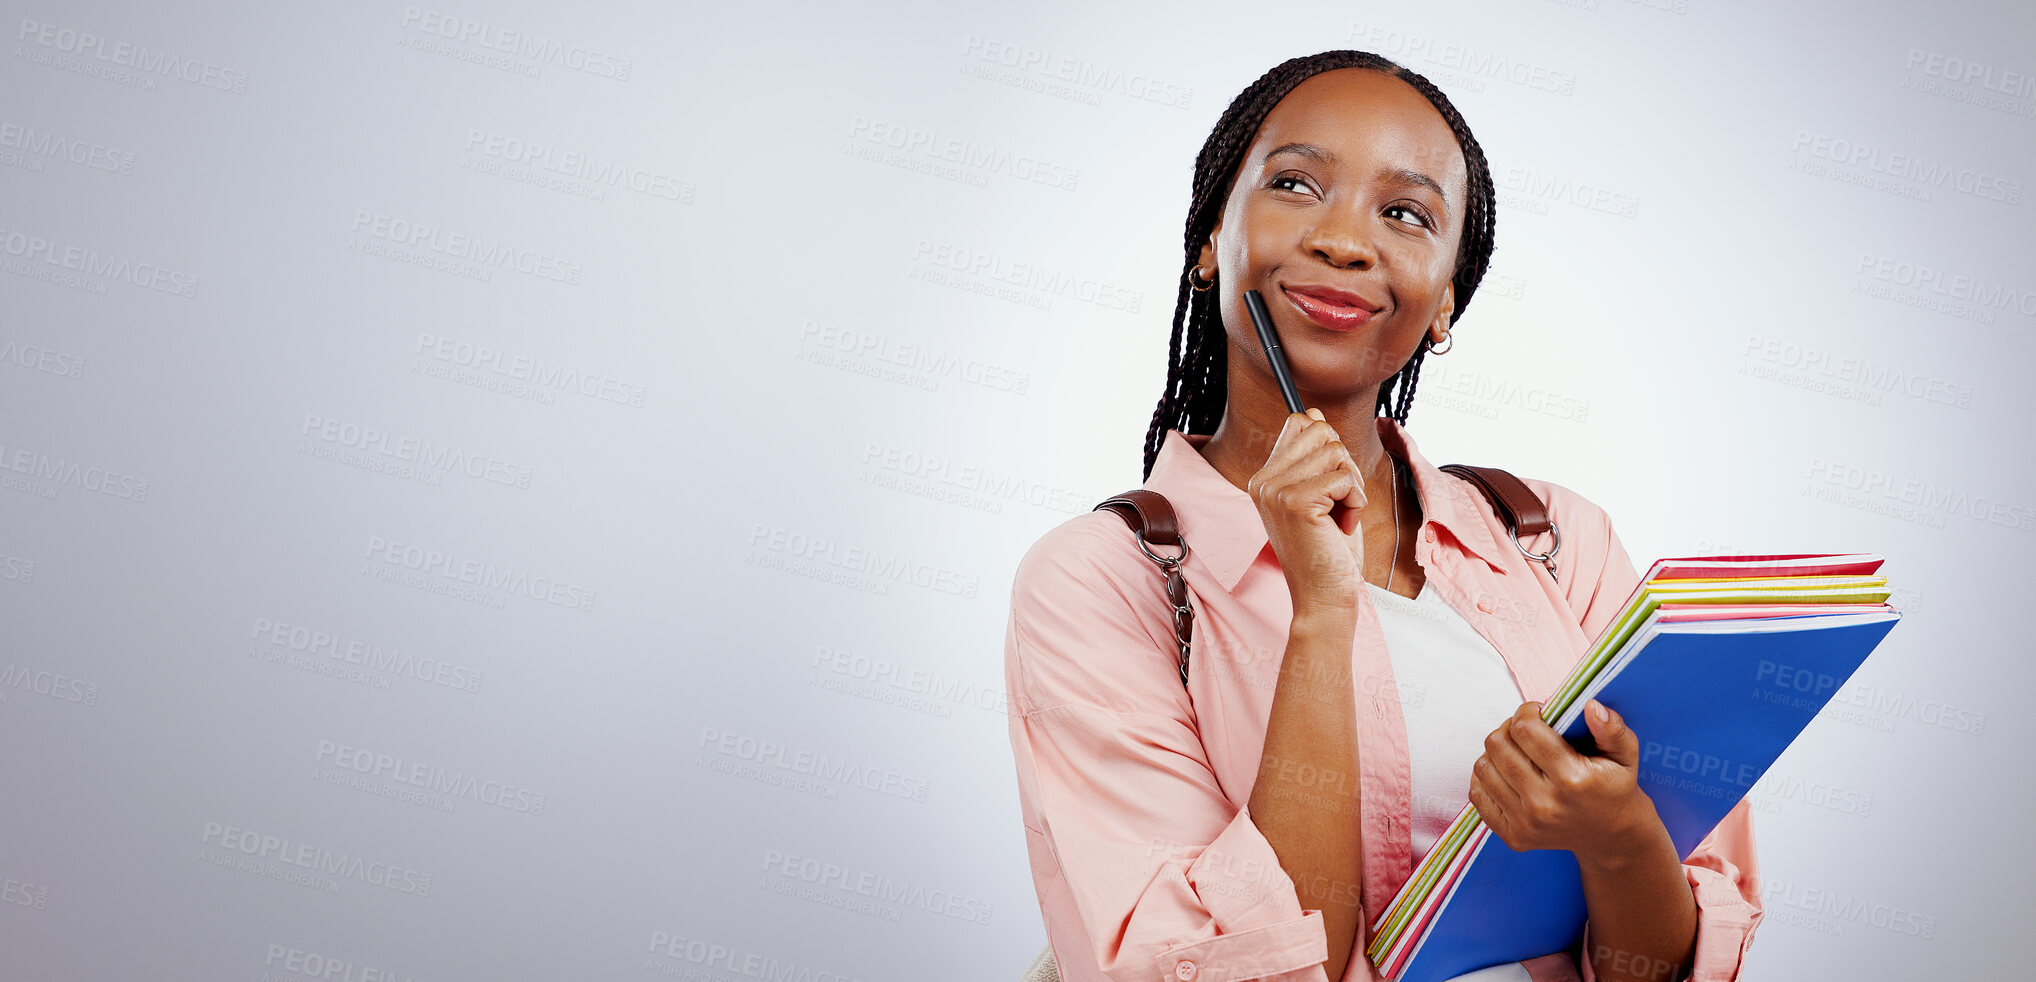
1410,214
1289,182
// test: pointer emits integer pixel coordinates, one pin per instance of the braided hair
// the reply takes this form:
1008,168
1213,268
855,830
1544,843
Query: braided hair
1196,386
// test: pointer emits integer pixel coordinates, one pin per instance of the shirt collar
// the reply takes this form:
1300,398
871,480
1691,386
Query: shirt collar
1223,529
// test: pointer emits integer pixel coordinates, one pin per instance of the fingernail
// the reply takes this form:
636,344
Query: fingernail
1598,711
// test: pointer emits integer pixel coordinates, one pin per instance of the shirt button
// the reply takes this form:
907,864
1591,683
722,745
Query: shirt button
1185,970
1428,534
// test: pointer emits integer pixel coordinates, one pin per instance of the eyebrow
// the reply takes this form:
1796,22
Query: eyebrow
1315,153
1307,150
1414,177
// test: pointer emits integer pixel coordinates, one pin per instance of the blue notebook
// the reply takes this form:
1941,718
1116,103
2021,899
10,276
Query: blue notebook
1714,703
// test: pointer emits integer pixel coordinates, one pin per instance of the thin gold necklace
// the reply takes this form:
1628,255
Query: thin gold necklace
1394,559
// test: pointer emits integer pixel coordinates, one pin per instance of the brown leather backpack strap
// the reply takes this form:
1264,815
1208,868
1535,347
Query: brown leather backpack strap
1516,505
1152,522
1148,513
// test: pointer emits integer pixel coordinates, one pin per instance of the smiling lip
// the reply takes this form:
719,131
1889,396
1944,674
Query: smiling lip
1334,309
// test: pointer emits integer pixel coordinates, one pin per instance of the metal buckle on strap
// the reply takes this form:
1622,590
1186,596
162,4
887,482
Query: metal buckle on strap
1164,562
1547,558
1176,596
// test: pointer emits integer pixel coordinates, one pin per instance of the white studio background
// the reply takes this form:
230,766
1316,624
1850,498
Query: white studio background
516,491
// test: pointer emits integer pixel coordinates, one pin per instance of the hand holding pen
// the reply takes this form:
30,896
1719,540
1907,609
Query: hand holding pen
1309,493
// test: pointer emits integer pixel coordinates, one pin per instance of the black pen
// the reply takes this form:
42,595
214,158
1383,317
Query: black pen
1269,339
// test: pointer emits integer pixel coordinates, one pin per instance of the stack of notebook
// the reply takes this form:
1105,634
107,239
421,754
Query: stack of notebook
1717,664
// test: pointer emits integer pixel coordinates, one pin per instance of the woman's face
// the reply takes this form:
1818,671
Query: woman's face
1345,215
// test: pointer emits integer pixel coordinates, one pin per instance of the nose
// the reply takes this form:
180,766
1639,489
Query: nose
1343,240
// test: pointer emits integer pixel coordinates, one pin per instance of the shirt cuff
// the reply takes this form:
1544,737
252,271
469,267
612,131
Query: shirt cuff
1725,923
1292,951
1262,931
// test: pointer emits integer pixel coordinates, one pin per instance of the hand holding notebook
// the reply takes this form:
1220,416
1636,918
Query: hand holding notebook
1535,791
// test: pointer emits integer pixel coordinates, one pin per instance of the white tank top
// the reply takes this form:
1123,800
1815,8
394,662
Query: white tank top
1454,690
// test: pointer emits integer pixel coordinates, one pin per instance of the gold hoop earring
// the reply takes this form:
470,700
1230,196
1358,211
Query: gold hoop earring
1197,283
1449,339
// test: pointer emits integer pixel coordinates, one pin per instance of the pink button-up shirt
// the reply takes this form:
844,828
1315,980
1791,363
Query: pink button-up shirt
1134,789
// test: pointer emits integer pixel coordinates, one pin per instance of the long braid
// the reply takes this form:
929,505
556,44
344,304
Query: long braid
1196,387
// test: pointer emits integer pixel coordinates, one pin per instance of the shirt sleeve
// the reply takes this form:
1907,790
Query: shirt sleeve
1722,871
1126,823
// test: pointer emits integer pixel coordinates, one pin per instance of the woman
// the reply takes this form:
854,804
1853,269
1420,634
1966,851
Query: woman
1368,646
